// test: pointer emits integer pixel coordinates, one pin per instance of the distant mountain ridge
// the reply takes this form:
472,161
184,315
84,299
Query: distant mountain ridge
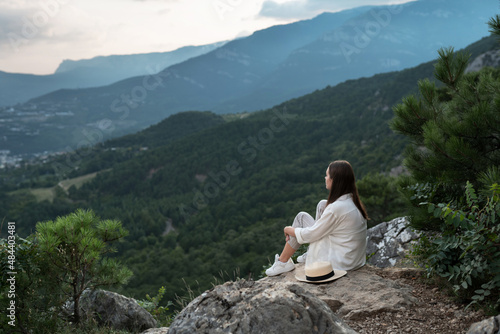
98,71
125,66
270,66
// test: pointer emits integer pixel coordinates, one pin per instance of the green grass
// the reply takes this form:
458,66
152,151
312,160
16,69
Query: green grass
48,194
43,194
77,181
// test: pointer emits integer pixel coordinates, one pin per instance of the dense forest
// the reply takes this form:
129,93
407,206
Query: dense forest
204,196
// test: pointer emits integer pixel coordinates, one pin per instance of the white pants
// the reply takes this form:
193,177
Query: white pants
303,219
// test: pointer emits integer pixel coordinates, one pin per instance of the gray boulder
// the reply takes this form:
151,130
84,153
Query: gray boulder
388,242
257,307
359,294
487,326
162,330
114,310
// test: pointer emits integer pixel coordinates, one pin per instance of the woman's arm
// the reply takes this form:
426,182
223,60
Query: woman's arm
321,227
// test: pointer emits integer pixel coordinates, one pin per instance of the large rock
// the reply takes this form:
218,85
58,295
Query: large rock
489,58
282,304
114,310
258,307
487,326
388,242
358,294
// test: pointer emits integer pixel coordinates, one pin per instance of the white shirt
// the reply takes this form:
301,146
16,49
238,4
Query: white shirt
339,236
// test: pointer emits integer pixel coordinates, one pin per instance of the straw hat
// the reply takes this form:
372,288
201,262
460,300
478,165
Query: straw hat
319,272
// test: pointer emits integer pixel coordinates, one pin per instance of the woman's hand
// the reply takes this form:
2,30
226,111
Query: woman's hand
289,232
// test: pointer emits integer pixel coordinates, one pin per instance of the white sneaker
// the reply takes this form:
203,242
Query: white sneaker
302,258
279,267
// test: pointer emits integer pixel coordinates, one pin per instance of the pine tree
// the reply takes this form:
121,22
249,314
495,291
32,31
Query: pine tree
494,24
454,128
74,246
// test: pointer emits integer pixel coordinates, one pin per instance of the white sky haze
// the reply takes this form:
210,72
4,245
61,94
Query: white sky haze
37,35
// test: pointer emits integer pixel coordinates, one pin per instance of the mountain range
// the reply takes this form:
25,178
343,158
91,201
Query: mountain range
270,66
98,71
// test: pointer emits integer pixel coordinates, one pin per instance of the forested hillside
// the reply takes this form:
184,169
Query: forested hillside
216,200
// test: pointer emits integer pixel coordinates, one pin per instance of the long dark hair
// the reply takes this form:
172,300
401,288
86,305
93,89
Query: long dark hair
344,182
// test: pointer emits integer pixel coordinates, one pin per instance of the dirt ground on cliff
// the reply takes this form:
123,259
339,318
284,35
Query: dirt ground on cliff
436,313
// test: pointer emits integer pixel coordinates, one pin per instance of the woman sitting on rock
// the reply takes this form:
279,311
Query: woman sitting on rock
337,235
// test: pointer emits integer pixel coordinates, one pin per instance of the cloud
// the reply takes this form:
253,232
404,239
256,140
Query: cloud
76,29
41,30
300,9
23,23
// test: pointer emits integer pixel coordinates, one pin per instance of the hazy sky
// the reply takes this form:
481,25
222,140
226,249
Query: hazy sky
36,35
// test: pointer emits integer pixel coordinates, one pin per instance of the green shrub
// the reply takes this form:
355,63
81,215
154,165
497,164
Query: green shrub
152,305
35,296
467,252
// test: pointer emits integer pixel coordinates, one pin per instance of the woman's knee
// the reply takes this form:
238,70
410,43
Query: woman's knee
299,218
301,215
303,219
321,205
320,208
